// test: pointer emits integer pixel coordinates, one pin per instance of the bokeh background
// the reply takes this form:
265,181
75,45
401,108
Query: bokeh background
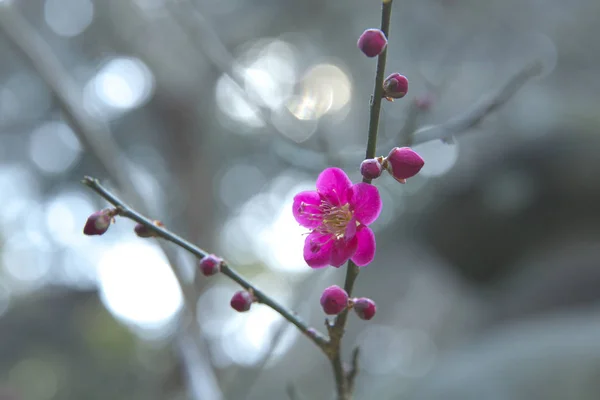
211,114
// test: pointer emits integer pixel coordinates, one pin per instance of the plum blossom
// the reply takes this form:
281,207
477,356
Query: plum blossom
338,214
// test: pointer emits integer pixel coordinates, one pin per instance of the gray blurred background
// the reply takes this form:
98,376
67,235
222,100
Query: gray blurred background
216,112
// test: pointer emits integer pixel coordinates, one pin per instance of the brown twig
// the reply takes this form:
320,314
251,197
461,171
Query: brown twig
338,329
125,211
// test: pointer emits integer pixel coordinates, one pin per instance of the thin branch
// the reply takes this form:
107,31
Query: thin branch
337,331
127,212
478,111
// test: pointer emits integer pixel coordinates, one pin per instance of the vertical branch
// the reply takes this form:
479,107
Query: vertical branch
336,332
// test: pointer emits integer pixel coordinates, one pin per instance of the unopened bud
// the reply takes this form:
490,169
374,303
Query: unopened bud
210,265
144,231
372,42
99,222
334,300
403,163
241,301
365,308
395,86
371,168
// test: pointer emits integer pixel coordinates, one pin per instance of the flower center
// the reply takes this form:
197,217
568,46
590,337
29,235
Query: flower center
335,219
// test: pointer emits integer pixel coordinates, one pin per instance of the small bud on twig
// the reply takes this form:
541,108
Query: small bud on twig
372,42
334,300
365,308
395,86
371,168
241,301
403,163
144,231
210,265
99,222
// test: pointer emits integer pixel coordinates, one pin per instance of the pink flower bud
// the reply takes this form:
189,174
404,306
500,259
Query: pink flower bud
334,300
241,301
372,42
395,86
210,265
371,168
144,231
403,163
364,308
98,222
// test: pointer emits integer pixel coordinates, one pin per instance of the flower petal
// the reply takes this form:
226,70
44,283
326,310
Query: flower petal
365,202
306,209
365,251
317,250
333,184
342,250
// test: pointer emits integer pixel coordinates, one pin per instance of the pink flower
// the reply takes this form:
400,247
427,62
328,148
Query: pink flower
338,214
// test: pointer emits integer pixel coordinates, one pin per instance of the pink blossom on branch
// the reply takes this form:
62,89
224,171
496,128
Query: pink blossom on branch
338,214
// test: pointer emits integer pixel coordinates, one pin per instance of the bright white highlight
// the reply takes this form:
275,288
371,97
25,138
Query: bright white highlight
138,286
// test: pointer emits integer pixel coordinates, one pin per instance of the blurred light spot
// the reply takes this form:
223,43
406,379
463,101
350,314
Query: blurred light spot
35,379
388,211
385,350
238,183
263,89
292,127
122,84
310,105
54,148
68,17
325,87
508,193
78,266
234,242
138,286
65,216
271,77
27,258
247,337
232,102
282,240
439,157
213,310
